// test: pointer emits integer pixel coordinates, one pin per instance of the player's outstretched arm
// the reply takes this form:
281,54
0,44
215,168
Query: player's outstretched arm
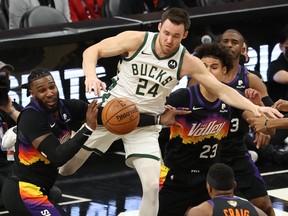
264,124
167,118
195,68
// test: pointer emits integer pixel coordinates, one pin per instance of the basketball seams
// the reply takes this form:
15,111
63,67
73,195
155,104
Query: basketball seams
123,108
120,121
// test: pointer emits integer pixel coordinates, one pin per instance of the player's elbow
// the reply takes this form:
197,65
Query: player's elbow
66,170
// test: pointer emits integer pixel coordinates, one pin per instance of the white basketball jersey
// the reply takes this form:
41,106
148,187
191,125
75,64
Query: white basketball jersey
147,79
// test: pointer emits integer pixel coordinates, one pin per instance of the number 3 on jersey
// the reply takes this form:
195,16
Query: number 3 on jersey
234,126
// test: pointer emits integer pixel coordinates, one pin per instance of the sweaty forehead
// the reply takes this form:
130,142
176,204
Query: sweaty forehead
172,28
42,81
231,36
211,60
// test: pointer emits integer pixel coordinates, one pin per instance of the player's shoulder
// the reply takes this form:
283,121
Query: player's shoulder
255,81
71,102
75,105
133,34
203,209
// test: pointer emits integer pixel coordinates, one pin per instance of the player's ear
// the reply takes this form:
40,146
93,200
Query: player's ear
209,188
159,26
224,70
185,34
31,93
235,185
243,50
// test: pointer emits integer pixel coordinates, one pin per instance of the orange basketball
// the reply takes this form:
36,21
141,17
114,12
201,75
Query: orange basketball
120,116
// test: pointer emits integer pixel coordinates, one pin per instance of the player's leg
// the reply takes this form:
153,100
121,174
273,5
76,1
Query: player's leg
181,190
251,184
99,142
143,153
149,172
257,194
26,199
265,204
75,163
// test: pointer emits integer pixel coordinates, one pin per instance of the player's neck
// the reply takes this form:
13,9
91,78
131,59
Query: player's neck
232,73
207,95
224,194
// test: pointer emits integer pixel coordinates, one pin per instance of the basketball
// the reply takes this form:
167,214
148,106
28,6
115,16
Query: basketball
120,116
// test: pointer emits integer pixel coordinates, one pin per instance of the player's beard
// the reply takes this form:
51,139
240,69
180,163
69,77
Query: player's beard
53,109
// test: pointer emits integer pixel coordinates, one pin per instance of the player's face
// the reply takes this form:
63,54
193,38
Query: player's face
215,66
170,37
245,52
46,92
234,42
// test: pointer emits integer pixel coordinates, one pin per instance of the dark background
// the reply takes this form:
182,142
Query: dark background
60,47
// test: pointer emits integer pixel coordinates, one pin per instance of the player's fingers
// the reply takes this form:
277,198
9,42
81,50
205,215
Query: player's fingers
185,109
252,125
95,103
177,124
273,113
103,86
256,141
168,107
182,112
87,86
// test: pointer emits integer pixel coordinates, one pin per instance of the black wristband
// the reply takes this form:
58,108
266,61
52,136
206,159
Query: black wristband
146,120
267,101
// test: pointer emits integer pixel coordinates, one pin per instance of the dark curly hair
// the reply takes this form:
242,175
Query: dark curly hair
35,74
215,50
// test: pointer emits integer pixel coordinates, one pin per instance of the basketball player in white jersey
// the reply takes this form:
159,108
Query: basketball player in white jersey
151,66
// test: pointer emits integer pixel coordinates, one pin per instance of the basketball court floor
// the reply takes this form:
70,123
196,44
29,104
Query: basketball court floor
105,186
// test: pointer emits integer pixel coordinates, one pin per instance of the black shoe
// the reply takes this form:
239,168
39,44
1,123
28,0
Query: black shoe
280,156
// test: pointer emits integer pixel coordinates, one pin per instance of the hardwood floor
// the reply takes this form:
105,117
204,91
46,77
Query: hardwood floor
105,186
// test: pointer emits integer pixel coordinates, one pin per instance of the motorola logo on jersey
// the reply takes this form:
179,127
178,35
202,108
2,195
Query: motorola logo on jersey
172,64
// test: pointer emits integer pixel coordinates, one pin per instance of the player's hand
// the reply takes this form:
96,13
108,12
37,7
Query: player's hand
253,95
168,117
94,84
258,125
91,114
270,111
281,105
261,140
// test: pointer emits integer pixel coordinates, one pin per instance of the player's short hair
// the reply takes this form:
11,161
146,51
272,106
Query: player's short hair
215,50
36,74
283,35
221,177
234,31
177,16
